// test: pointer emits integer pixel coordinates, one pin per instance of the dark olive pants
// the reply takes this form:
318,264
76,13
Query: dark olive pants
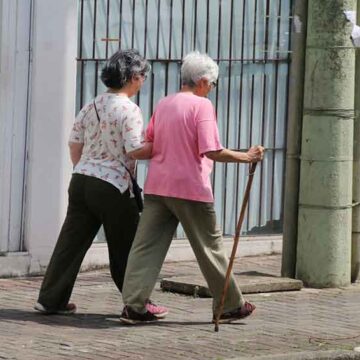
92,203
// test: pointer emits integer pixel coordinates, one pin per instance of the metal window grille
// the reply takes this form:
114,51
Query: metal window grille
250,40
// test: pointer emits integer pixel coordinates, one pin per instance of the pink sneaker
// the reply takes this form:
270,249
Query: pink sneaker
237,314
159,311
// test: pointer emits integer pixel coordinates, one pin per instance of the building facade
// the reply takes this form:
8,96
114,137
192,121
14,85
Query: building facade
48,69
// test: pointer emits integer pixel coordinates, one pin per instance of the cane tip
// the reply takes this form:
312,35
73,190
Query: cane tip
216,328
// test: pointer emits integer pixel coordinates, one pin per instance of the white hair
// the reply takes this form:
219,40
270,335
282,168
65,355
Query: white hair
196,66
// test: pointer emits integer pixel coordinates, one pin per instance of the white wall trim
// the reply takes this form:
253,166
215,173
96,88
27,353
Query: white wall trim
23,264
15,264
180,250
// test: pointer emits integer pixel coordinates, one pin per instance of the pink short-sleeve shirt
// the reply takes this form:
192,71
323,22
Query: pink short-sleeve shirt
182,129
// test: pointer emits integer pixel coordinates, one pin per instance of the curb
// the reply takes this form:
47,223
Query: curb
196,286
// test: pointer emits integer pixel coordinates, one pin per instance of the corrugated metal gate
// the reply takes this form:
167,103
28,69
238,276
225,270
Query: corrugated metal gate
250,40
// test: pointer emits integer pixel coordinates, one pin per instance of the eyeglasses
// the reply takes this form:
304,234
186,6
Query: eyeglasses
213,83
143,75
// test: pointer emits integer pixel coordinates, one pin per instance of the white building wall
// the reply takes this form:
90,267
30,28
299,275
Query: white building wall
52,108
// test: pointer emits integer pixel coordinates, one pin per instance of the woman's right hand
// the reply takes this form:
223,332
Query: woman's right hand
255,153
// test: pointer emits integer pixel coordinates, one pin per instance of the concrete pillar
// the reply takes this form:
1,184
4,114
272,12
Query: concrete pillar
293,148
325,200
355,241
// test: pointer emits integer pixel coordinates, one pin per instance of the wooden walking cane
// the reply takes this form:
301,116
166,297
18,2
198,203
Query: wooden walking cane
235,245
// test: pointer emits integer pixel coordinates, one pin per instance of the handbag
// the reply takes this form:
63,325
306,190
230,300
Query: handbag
137,190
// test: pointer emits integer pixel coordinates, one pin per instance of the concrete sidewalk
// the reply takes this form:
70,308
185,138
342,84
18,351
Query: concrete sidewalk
306,324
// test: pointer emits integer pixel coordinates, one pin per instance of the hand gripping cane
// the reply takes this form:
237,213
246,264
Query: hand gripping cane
236,241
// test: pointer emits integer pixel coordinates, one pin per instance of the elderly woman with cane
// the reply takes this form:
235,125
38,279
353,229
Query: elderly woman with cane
185,142
106,138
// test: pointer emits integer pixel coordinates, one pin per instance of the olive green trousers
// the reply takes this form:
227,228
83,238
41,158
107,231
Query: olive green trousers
158,223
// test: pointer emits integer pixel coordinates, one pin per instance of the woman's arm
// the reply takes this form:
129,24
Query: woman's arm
254,154
143,153
75,152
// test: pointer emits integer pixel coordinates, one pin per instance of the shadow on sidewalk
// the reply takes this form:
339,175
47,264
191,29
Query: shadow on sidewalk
89,320
255,273
79,320
174,323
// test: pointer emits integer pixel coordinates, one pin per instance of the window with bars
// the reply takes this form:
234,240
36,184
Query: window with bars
250,40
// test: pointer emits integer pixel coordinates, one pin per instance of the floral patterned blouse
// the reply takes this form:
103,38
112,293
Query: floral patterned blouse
107,142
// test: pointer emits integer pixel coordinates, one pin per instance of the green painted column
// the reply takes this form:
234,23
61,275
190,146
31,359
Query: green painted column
325,199
293,146
355,246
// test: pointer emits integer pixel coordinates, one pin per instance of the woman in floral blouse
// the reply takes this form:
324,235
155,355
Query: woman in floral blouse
106,139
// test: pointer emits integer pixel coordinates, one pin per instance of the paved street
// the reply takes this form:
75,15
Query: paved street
284,323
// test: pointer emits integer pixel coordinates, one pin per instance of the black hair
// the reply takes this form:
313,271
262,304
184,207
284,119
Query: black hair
122,66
